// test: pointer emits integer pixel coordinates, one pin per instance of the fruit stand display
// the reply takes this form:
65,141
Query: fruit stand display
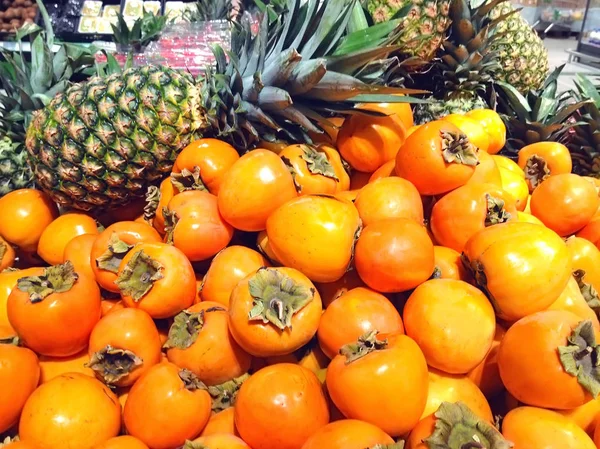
360,226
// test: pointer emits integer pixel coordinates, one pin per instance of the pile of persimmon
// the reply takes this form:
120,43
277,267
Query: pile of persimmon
389,284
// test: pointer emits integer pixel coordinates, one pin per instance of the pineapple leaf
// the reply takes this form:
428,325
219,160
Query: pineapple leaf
519,102
26,30
47,23
567,112
381,98
587,89
41,65
371,37
60,63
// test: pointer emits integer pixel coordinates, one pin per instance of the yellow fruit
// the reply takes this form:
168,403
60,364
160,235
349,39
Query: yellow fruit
508,164
528,218
517,187
472,129
493,125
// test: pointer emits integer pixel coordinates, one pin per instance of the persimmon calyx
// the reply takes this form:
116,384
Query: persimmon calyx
10,270
495,213
536,170
153,196
365,345
186,327
588,291
188,180
55,279
277,297
437,273
398,445
171,219
224,395
113,364
13,340
581,357
192,445
139,275
456,148
111,259
457,427
8,441
318,163
477,270
3,249
191,381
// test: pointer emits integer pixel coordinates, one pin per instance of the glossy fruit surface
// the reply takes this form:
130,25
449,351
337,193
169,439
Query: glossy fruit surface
122,442
348,434
78,251
474,130
60,232
543,159
493,125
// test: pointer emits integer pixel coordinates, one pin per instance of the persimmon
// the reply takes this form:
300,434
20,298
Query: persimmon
385,171
523,267
400,111
331,128
70,411
474,130
358,180
202,164
352,315
348,434
274,311
597,435
220,423
455,423
505,163
392,371
111,305
528,218
585,257
448,264
368,142
560,343
165,398
389,198
543,159
572,300
262,243
7,255
30,211
565,203
60,232
515,185
486,171
394,255
585,416
79,251
21,445
330,291
462,213
536,427
253,188
20,374
122,442
157,200
437,158
112,245
313,171
217,441
452,388
8,281
486,375
287,394
123,346
228,268
315,235
452,322
52,367
493,125
195,226
55,312
199,341
591,232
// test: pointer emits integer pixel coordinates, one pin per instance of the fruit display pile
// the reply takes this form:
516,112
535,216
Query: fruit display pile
323,242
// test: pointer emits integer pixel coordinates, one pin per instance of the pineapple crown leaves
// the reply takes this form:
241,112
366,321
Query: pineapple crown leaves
207,10
286,80
143,31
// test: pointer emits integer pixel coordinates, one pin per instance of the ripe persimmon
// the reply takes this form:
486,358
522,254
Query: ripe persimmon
486,375
55,312
60,232
122,442
8,281
348,434
218,441
474,130
486,171
352,315
515,185
386,170
330,291
220,423
543,159
573,300
52,367
493,125
448,264
274,311
156,202
585,416
287,394
78,251
165,398
394,255
7,255
585,256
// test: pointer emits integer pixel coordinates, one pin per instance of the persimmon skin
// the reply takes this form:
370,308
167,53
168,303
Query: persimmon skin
60,232
52,367
353,314
493,125
122,442
515,185
474,131
220,423
347,434
448,262
486,172
8,258
555,155
420,160
20,374
385,171
597,435
394,255
330,291
452,322
167,192
531,427
288,393
424,429
585,256
540,334
571,300
565,203
253,188
224,441
72,411
160,397
8,281
486,375
585,416
391,197
78,251
228,268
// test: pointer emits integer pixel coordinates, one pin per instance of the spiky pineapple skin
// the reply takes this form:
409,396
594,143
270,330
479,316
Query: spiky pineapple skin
101,143
522,55
428,112
14,170
423,29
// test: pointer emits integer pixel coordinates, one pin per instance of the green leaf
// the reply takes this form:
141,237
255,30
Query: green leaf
60,63
41,65
366,38
382,98
26,30
47,23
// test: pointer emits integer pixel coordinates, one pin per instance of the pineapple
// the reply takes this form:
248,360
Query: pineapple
522,55
14,171
424,28
102,143
466,63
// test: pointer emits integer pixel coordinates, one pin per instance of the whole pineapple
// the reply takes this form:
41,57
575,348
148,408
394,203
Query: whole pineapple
103,142
522,55
422,30
14,170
